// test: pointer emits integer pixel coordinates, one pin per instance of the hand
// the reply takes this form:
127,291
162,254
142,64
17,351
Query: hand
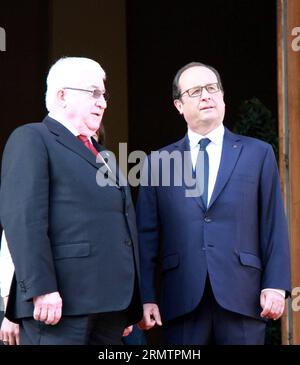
151,316
9,332
127,331
48,308
272,304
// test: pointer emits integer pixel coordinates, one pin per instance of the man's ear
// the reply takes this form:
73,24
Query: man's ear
178,105
61,98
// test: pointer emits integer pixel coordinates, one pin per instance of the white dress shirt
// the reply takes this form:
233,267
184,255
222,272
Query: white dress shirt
6,267
214,150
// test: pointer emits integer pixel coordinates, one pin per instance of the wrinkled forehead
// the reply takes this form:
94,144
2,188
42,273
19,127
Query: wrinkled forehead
196,76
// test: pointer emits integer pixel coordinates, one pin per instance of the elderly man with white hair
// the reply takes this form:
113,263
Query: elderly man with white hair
72,240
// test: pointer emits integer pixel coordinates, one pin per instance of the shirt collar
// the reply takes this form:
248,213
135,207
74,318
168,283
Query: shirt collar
216,136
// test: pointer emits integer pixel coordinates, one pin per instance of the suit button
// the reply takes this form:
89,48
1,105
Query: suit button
128,242
207,219
22,286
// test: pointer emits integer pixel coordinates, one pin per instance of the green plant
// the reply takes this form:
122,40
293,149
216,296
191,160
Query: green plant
256,120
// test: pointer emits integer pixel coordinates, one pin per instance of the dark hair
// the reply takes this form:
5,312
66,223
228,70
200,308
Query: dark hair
175,87
101,135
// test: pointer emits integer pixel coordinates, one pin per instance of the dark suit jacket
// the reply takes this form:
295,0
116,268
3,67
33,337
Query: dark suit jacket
240,241
65,233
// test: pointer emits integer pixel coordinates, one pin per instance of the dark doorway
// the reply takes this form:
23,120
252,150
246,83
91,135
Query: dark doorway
23,65
237,37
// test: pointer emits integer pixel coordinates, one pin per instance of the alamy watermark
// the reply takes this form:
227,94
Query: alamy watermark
296,299
2,40
296,40
160,168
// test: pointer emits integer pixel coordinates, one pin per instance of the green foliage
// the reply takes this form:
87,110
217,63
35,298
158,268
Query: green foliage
256,120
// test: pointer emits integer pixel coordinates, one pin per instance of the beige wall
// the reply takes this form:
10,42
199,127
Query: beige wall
96,29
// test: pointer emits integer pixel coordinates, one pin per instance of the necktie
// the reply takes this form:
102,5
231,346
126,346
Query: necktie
88,144
203,143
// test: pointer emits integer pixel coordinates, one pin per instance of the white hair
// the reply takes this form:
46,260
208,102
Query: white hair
65,72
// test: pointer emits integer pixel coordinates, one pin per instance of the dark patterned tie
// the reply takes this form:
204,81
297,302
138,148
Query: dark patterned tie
203,143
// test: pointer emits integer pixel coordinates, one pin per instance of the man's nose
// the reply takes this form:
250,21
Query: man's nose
101,102
205,94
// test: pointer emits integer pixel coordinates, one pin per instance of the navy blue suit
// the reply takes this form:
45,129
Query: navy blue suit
65,233
240,241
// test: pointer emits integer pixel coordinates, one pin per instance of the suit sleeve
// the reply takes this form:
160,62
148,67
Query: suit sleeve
273,228
24,198
148,233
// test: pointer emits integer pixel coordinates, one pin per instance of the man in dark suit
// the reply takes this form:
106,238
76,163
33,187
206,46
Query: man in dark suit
69,222
225,253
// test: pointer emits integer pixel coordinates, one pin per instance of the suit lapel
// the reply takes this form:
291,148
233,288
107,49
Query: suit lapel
230,153
187,168
110,161
66,138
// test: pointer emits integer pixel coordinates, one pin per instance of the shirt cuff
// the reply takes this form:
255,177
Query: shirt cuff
279,291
